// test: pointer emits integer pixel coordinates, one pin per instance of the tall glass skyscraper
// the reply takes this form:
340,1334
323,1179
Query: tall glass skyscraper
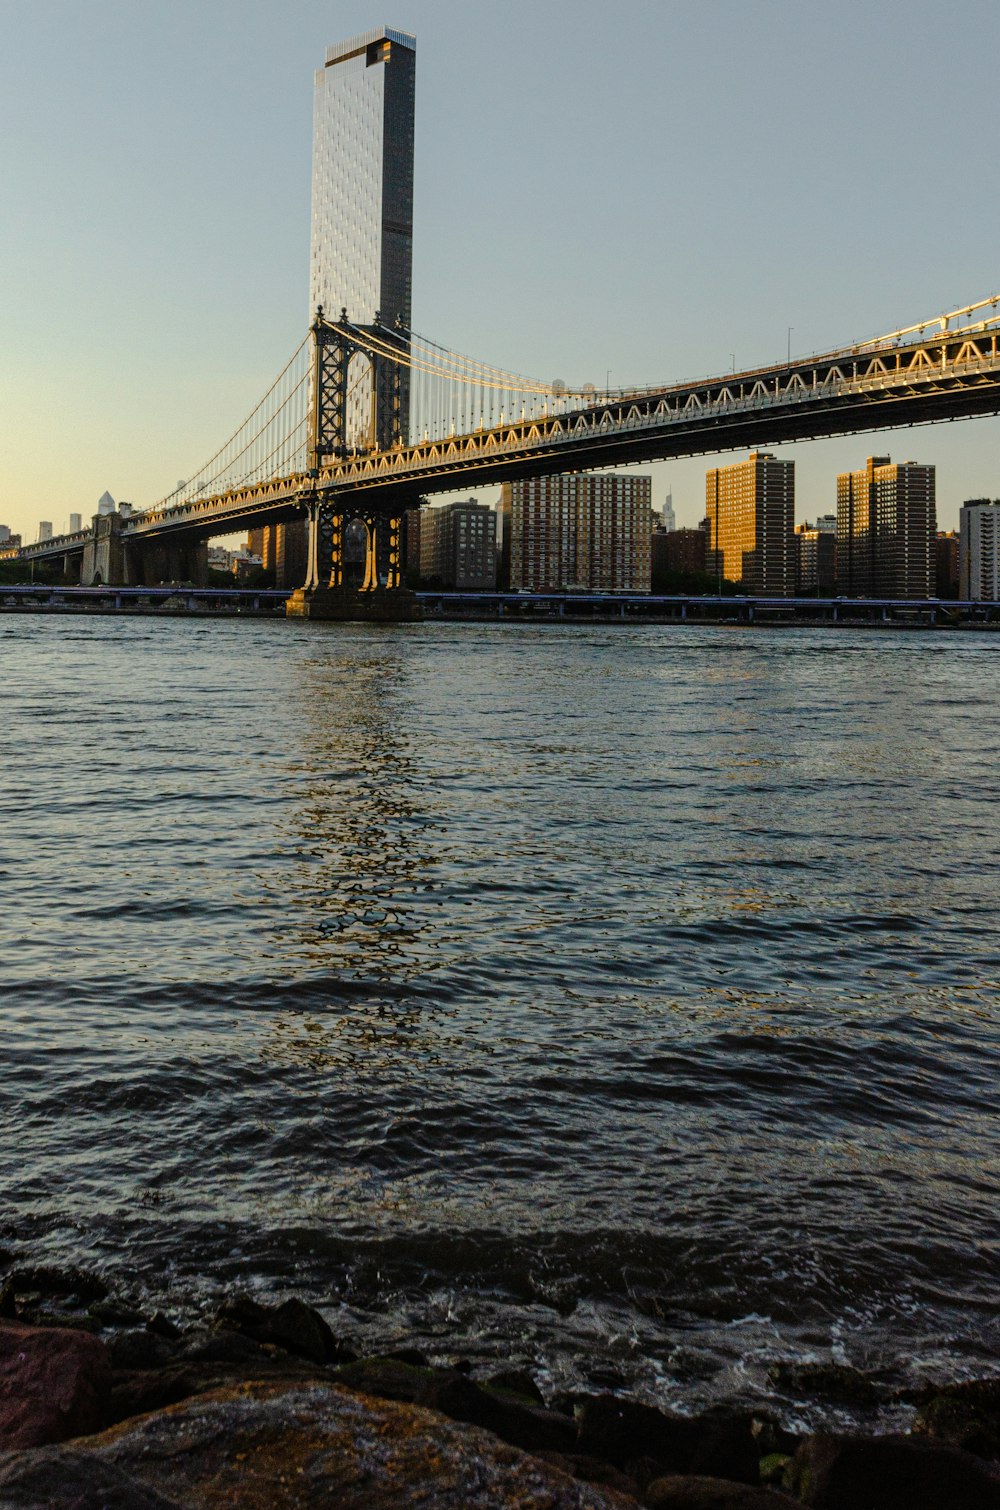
362,188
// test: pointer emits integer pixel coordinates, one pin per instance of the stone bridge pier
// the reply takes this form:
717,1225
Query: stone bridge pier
113,559
331,590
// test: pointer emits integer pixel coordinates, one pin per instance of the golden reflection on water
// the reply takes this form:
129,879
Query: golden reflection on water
363,827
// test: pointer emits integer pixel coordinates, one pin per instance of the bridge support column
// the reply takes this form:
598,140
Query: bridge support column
328,592
103,561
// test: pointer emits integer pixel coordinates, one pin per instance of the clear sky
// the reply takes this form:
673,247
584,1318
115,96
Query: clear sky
650,190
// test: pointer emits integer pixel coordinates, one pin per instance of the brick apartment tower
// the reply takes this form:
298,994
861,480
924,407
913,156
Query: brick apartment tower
579,532
886,530
750,521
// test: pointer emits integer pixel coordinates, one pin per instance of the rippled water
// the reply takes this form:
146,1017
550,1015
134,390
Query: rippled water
622,1000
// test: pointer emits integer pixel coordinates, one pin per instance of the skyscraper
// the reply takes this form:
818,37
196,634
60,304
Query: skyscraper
886,530
362,185
750,519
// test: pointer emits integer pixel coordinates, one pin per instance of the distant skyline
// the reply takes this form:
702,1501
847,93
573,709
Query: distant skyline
630,195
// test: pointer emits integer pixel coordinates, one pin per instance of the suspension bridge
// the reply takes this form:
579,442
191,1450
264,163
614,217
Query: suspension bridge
366,420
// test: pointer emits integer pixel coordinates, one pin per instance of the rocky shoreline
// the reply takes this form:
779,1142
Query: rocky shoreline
263,1405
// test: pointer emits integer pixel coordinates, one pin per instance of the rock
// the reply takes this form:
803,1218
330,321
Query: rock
164,1327
890,1473
134,1392
54,1384
774,1468
303,1331
836,1382
696,1492
411,1355
964,1415
526,1426
387,1378
592,1471
202,1346
262,1448
37,1316
139,1349
68,1284
50,1476
726,1446
298,1328
111,1313
771,1436
515,1381
622,1430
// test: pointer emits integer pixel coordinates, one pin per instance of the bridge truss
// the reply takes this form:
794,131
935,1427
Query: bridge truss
364,420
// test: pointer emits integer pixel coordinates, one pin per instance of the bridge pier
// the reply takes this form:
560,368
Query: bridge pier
329,591
104,554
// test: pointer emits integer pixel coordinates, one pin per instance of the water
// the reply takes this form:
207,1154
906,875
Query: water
622,1001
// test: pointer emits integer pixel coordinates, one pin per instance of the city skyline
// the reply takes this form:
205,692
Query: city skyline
178,237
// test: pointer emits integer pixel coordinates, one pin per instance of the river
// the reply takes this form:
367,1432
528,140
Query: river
622,1001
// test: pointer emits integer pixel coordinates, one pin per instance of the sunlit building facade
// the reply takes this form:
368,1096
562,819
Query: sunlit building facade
887,530
750,523
579,532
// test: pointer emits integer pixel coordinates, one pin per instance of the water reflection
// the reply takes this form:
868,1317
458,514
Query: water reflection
364,829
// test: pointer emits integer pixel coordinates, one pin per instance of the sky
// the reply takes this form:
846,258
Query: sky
631,192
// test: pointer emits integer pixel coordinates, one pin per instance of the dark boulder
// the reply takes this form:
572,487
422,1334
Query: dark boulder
51,1476
622,1430
292,1325
54,1384
592,1471
138,1349
69,1285
836,1382
263,1448
890,1473
386,1378
515,1381
527,1426
726,1446
964,1415
203,1346
695,1492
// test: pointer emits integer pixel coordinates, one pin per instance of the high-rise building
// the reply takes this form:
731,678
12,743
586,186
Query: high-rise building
678,553
458,546
411,544
946,564
886,530
979,550
44,530
817,556
362,184
750,520
75,523
579,531
668,519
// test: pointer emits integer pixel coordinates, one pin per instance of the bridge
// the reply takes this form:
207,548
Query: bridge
364,421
